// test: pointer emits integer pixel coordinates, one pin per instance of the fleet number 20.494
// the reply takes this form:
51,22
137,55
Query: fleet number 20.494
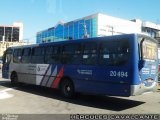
118,74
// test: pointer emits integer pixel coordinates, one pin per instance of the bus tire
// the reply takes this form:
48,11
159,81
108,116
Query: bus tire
67,88
14,78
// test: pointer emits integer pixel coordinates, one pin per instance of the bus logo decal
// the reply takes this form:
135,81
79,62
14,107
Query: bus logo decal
84,72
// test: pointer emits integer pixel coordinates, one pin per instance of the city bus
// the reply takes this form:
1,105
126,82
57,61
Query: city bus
120,65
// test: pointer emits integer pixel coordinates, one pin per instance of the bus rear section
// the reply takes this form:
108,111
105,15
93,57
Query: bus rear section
147,66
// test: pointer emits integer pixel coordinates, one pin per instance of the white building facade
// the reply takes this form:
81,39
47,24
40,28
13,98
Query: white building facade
108,25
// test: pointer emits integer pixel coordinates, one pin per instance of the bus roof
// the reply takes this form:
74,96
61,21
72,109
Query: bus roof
86,39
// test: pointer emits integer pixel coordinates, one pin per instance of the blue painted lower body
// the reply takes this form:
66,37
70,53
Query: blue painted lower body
102,88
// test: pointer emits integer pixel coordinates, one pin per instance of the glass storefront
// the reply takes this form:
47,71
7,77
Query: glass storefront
69,31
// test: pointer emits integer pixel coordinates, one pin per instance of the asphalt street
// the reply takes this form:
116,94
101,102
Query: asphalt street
30,99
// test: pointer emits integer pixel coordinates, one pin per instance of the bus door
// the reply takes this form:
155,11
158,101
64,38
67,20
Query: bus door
148,64
6,62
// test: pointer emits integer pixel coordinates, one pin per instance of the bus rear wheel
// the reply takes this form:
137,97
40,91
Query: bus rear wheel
67,88
14,78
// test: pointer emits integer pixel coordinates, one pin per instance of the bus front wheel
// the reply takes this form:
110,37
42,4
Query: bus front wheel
67,88
14,78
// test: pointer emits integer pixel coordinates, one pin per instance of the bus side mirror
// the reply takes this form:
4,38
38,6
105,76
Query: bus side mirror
3,60
141,64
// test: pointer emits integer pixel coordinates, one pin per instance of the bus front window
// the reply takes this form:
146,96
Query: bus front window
4,58
7,56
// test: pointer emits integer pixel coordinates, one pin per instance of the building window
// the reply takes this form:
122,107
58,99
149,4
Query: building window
59,33
76,30
71,31
88,27
66,32
81,29
93,27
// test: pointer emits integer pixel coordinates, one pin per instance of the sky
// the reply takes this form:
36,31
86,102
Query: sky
38,15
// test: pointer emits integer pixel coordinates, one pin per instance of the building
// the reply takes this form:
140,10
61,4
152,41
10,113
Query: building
91,26
97,25
149,28
10,35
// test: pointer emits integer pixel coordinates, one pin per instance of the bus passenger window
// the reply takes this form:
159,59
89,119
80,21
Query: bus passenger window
90,54
17,55
77,54
26,55
37,55
52,55
114,52
71,54
67,53
105,57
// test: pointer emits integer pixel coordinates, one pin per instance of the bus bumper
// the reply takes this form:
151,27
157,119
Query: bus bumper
140,89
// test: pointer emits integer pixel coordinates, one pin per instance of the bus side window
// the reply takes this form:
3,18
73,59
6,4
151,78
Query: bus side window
71,54
77,57
90,53
67,54
37,55
26,55
17,55
52,54
122,52
114,52
105,57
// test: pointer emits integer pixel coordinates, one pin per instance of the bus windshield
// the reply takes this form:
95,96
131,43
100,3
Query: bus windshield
149,50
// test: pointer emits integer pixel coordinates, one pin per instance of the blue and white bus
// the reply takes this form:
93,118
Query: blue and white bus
121,65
